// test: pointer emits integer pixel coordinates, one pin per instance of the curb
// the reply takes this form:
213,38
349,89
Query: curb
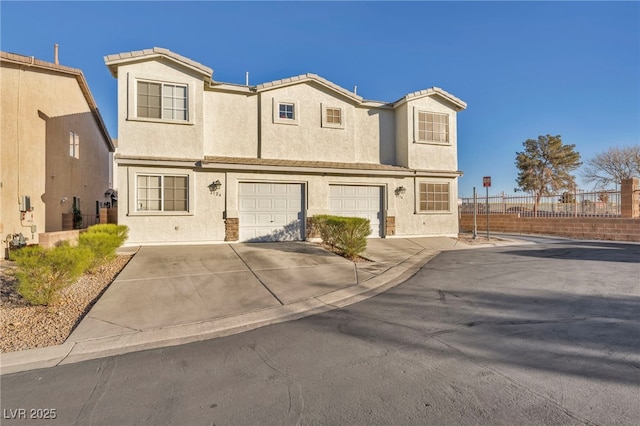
72,352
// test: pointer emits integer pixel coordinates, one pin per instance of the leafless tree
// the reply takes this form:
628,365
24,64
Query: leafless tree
611,166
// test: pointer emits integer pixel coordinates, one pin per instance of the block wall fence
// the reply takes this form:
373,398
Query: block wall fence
625,228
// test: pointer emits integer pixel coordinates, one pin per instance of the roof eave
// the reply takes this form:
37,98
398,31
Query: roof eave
115,60
458,103
306,78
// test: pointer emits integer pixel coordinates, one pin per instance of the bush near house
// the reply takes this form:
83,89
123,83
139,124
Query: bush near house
42,273
347,234
103,240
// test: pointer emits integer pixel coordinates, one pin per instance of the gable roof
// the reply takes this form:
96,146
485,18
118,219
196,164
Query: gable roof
433,91
37,64
112,61
304,78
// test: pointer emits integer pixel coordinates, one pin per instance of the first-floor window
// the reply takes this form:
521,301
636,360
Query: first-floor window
162,193
434,197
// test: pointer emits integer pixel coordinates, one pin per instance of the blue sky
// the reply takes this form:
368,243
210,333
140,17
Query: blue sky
524,68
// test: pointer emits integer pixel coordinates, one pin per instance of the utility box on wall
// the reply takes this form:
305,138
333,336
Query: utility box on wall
25,203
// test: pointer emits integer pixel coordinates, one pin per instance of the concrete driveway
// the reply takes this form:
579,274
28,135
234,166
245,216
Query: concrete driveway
169,286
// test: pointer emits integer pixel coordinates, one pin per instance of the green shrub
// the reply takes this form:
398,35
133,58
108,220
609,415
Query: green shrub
319,224
42,273
348,234
103,240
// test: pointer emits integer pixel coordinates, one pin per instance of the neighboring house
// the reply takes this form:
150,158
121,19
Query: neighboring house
54,146
202,161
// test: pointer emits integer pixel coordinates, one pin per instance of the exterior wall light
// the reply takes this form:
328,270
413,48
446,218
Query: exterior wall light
214,186
400,190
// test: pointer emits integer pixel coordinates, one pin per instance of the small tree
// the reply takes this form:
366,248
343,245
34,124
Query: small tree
545,166
612,166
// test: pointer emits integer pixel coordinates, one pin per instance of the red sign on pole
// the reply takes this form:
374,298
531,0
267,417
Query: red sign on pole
486,181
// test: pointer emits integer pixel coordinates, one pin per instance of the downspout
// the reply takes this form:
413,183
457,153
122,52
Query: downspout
20,71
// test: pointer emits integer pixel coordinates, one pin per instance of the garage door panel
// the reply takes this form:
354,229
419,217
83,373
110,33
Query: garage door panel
281,204
270,212
247,204
358,201
248,218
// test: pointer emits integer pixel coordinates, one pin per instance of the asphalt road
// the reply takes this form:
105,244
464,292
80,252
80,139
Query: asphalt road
538,334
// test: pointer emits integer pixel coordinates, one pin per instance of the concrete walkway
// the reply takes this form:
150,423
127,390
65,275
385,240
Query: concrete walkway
171,295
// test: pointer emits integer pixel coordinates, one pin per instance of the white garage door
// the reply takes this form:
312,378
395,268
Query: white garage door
271,212
358,201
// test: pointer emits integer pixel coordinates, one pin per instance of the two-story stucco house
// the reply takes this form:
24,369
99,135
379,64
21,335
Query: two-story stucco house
202,161
54,146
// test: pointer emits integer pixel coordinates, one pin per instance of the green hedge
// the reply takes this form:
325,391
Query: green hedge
42,273
348,234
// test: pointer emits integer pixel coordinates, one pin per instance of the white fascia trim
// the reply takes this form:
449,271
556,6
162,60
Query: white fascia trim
227,87
156,163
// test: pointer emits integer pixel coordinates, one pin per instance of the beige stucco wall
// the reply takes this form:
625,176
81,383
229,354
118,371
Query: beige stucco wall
411,222
402,134
432,156
204,223
239,123
308,139
144,137
39,109
425,155
231,124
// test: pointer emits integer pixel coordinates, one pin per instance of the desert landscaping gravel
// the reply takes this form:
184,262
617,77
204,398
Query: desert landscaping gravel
27,327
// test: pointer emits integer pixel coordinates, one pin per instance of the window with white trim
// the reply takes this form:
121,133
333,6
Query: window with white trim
432,127
162,193
163,101
74,145
332,117
433,197
285,112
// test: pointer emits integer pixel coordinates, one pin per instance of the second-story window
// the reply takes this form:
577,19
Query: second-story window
332,117
162,101
74,145
286,111
433,127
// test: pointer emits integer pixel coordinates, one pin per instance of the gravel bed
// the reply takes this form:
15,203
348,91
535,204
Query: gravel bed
26,327
482,239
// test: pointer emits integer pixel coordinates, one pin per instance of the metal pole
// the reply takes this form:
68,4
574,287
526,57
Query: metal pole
487,213
475,214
